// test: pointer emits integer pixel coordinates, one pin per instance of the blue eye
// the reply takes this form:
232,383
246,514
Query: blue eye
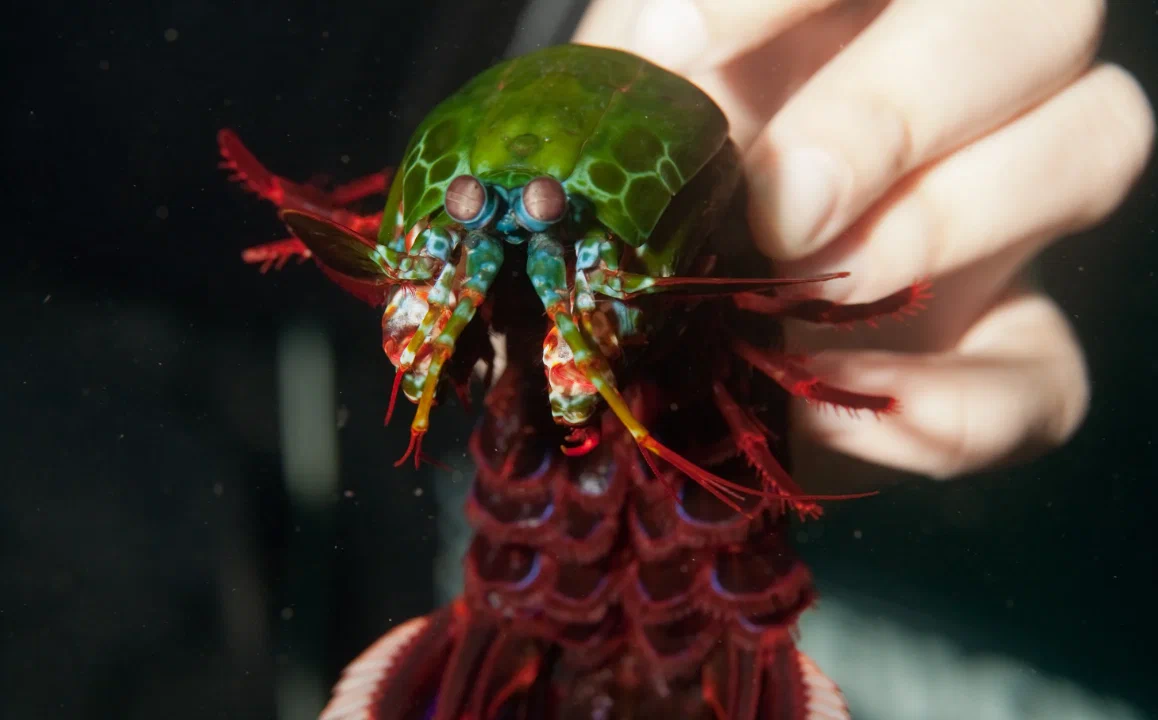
541,203
469,202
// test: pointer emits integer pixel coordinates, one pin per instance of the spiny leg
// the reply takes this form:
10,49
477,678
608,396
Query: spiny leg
592,251
483,256
360,188
375,272
286,194
276,254
547,269
788,374
751,438
438,306
904,302
413,258
626,285
404,314
573,397
597,271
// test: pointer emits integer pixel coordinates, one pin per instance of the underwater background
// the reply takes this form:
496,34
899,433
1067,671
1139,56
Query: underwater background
199,513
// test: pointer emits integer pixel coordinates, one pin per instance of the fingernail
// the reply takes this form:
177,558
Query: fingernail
670,33
797,194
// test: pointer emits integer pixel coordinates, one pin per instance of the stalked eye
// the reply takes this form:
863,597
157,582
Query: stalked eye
466,201
544,202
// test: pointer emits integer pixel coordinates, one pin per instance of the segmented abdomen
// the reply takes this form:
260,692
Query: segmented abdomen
594,589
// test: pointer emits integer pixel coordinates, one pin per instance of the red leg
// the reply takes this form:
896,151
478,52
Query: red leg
255,177
362,187
752,442
751,439
276,254
801,383
288,195
628,286
904,302
586,439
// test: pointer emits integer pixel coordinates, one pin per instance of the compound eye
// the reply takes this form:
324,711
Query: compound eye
544,201
466,199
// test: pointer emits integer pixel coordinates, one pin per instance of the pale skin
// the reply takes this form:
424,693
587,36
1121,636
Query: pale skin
945,139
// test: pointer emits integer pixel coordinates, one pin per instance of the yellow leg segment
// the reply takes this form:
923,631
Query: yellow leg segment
547,270
483,256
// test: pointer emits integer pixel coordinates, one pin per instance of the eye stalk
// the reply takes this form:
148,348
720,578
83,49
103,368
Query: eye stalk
469,202
541,204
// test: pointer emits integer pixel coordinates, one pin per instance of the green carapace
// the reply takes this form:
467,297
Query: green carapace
607,172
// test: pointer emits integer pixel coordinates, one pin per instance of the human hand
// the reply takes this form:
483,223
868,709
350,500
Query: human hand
946,139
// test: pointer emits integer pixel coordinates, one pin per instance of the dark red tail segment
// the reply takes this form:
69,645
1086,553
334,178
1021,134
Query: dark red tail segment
593,589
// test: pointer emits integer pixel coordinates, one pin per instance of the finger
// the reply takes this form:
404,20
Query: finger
924,78
753,87
1015,386
1056,170
607,23
679,33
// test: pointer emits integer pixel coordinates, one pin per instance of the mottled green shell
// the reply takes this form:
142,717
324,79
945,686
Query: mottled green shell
615,129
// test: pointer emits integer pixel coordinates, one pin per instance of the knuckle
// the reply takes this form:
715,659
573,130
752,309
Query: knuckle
1068,32
905,153
961,447
1082,22
1120,121
930,225
1128,113
895,141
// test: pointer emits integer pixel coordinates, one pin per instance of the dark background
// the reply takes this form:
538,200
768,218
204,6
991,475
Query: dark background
153,563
